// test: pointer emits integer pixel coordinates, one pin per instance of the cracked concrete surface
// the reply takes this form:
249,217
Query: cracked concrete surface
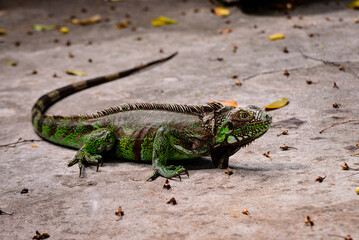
279,194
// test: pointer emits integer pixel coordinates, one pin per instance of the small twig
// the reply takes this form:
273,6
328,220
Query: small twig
349,121
329,63
269,72
20,140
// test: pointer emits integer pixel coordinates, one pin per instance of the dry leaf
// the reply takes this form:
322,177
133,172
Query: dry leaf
161,20
309,222
354,4
246,212
221,11
230,103
33,145
172,201
277,104
64,30
94,19
228,172
225,31
276,36
10,63
75,72
357,190
167,184
43,27
2,31
122,24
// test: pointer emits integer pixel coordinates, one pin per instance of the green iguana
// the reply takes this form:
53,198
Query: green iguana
149,131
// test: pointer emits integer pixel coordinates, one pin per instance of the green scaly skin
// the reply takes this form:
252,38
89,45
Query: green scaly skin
148,131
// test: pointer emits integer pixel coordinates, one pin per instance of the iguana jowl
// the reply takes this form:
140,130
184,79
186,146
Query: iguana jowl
149,131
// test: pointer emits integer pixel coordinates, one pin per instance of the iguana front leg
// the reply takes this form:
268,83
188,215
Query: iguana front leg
161,145
97,142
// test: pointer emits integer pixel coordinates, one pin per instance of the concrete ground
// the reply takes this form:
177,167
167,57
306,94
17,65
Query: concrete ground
279,193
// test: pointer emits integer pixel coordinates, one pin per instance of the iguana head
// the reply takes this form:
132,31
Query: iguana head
242,125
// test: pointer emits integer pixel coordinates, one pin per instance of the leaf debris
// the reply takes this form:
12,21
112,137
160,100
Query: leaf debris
91,20
75,72
267,155
167,184
42,235
335,85
321,179
276,36
228,172
309,222
286,73
285,132
162,20
225,31
277,104
246,212
219,11
119,213
336,105
285,147
345,166
172,201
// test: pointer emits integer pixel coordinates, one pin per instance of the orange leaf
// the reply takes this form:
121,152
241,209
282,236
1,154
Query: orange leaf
230,103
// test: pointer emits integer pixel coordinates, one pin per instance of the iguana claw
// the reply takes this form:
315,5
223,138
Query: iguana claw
83,158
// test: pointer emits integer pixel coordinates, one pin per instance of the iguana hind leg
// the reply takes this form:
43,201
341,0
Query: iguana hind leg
98,141
161,146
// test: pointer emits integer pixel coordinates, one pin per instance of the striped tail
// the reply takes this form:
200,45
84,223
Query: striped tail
47,100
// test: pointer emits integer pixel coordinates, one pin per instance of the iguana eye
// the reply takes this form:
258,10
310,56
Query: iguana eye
243,115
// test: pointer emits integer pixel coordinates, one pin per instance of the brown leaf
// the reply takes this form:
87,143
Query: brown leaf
172,201
321,179
309,222
225,31
167,184
267,155
229,172
246,212
285,132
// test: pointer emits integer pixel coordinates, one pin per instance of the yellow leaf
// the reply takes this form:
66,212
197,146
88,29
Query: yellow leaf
2,31
43,27
74,72
357,190
221,11
276,36
161,20
354,4
230,103
277,104
64,30
122,24
33,145
10,63
94,19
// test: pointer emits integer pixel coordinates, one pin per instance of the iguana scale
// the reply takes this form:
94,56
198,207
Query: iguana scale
151,132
